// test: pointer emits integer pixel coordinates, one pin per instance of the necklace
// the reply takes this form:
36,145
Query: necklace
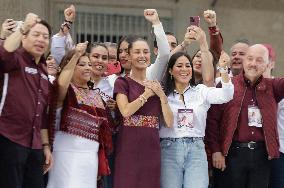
138,81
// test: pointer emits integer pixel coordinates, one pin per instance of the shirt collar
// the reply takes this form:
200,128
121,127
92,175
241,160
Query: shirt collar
248,82
27,55
187,88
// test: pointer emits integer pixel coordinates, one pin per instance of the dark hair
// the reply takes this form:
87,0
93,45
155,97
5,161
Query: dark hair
94,45
167,33
168,82
215,61
67,57
46,24
129,39
130,46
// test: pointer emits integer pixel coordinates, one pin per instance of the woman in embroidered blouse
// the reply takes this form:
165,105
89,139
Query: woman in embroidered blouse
184,162
83,118
141,102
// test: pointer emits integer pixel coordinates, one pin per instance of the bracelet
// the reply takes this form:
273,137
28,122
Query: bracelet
143,97
142,101
222,70
68,21
46,144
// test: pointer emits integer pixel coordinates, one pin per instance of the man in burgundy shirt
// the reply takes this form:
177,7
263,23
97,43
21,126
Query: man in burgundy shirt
244,130
23,106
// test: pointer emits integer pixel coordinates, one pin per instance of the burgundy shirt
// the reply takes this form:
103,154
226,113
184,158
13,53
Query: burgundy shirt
245,133
24,100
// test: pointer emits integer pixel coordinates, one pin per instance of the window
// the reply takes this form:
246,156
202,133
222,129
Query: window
100,27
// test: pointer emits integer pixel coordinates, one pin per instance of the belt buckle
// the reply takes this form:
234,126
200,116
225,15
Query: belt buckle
251,145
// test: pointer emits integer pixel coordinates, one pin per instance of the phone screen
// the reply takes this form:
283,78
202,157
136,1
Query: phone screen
194,20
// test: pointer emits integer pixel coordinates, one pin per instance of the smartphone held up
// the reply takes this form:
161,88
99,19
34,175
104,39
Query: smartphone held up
194,20
17,26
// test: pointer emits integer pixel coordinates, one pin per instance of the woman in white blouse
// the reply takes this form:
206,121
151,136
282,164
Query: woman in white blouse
184,162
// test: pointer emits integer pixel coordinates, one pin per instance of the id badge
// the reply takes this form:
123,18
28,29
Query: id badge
254,116
185,119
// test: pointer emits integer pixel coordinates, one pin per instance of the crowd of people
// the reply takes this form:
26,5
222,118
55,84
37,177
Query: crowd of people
95,114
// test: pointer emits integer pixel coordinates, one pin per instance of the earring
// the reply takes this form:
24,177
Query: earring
171,76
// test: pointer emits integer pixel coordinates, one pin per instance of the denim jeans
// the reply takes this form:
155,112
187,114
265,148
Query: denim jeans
184,163
277,173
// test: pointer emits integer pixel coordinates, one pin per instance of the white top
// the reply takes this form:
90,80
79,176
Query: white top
106,85
198,99
60,45
280,124
155,71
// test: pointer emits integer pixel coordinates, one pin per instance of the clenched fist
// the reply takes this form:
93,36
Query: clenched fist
152,16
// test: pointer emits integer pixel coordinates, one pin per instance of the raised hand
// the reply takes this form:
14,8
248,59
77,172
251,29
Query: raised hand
152,16
70,13
210,17
224,59
81,48
30,21
7,28
195,33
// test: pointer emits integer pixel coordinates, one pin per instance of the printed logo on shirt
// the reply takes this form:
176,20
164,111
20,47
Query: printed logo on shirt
30,70
44,76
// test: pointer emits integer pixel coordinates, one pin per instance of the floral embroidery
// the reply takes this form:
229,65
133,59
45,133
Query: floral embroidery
141,121
90,98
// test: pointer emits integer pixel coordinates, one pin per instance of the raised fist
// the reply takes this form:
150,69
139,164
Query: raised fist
224,59
152,16
30,21
210,18
70,13
81,48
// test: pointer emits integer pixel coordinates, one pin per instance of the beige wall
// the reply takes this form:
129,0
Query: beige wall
260,21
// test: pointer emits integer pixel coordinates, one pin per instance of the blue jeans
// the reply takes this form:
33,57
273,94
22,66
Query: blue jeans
184,163
277,173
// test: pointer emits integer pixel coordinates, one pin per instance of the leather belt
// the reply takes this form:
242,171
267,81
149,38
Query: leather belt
249,145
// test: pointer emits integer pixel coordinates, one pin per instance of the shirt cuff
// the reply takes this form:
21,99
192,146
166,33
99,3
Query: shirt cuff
213,30
228,84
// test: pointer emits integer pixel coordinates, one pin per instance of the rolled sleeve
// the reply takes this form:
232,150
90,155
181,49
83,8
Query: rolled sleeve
220,95
57,48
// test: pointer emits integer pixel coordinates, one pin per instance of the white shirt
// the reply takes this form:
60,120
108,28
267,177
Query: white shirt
199,99
60,45
280,124
155,71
